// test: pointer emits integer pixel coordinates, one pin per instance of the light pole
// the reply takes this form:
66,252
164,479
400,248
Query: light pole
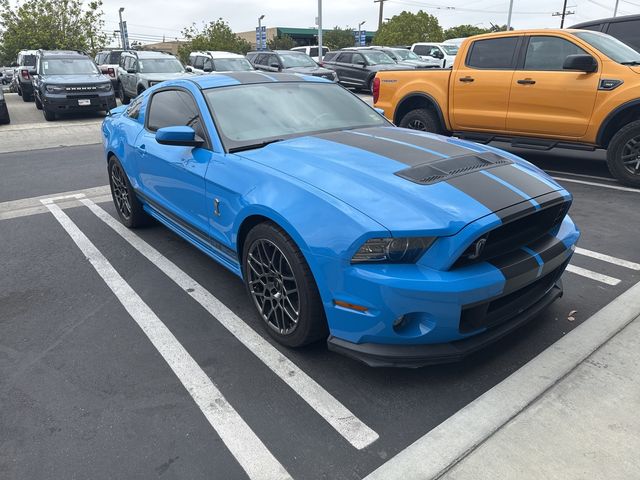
360,31
320,31
260,32
615,9
509,17
122,39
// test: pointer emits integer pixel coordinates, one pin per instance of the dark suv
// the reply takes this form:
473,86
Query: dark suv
358,67
68,80
626,29
290,62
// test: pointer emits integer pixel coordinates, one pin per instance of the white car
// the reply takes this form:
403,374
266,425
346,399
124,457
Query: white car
218,61
439,55
312,51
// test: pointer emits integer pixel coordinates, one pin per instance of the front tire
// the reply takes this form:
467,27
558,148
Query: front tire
127,205
623,155
124,98
422,119
282,288
38,102
49,116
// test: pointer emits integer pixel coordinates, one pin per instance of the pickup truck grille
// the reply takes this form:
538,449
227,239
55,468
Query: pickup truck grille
515,234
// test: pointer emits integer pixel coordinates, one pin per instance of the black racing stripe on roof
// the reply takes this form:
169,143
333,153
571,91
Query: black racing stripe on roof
422,141
392,150
522,180
492,194
519,269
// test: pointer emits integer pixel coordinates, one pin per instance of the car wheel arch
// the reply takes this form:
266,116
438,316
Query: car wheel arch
618,118
415,101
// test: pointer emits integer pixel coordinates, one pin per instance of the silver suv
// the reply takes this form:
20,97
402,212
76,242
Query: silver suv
139,70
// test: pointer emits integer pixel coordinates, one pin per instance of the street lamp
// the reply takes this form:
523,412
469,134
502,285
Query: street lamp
360,31
260,32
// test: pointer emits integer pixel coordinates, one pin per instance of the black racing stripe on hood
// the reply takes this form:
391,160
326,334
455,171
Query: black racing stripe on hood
422,141
552,198
519,269
522,180
392,150
551,250
489,192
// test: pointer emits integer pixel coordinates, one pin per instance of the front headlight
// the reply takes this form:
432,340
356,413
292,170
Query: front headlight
105,87
393,250
55,88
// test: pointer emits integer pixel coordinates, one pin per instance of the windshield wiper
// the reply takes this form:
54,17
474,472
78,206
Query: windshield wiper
254,146
635,62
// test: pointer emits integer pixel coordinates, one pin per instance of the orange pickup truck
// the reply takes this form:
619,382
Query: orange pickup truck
538,89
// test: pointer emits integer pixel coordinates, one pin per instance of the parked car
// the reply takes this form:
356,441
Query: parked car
312,51
217,61
24,68
70,81
438,55
139,70
290,62
402,56
573,89
4,111
108,61
358,67
428,249
625,28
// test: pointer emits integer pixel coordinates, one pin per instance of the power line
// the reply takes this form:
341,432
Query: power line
461,9
563,14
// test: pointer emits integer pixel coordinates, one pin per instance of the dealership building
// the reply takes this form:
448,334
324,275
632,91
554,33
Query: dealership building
302,36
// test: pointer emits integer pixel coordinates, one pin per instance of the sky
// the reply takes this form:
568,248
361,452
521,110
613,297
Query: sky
149,20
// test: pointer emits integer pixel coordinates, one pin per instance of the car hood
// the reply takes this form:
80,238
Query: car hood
75,79
161,77
309,70
409,181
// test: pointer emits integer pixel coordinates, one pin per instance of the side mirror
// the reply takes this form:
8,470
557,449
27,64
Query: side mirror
582,63
179,136
131,70
360,63
188,69
275,65
207,68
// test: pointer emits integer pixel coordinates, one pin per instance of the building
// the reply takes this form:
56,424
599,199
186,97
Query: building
302,36
169,47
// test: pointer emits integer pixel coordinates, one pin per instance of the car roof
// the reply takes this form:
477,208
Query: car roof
624,18
217,54
62,53
147,54
227,79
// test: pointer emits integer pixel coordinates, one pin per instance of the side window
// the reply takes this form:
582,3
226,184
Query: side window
272,60
198,62
493,53
358,59
133,110
261,59
171,108
549,53
208,64
127,63
345,57
422,50
313,52
627,32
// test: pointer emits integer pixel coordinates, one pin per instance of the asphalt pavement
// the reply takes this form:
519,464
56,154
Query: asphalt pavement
89,390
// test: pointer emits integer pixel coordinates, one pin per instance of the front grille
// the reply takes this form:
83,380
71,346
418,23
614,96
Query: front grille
513,235
501,309
81,88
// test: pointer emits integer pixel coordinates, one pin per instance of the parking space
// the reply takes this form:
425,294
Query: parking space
133,354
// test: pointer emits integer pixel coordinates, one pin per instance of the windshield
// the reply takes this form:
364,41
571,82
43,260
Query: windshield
403,54
231,64
377,58
68,66
160,65
290,60
611,47
251,114
450,49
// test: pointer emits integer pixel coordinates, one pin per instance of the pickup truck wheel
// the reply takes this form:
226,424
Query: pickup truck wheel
124,98
623,155
421,119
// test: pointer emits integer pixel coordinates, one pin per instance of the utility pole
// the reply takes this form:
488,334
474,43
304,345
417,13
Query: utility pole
320,31
563,14
615,10
381,2
509,16
122,42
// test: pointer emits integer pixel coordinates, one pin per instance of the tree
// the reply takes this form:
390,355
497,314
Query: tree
52,25
407,28
463,31
215,35
281,42
338,38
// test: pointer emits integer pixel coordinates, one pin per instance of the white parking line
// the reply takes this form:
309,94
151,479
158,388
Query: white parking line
612,187
608,258
241,441
326,405
598,277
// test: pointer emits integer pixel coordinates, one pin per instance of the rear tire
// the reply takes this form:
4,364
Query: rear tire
282,288
623,155
129,208
26,97
422,119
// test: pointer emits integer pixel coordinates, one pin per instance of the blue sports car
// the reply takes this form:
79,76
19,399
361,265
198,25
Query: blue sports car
400,248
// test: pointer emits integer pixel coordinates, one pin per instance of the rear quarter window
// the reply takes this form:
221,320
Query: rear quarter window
493,53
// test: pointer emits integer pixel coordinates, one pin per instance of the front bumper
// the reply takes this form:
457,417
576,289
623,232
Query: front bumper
96,102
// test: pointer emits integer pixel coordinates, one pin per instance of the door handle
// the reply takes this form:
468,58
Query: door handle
466,79
526,81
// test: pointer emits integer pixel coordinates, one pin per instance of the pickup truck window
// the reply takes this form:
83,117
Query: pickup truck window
611,47
549,53
493,53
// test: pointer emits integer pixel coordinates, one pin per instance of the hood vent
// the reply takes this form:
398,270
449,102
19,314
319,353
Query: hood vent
439,170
